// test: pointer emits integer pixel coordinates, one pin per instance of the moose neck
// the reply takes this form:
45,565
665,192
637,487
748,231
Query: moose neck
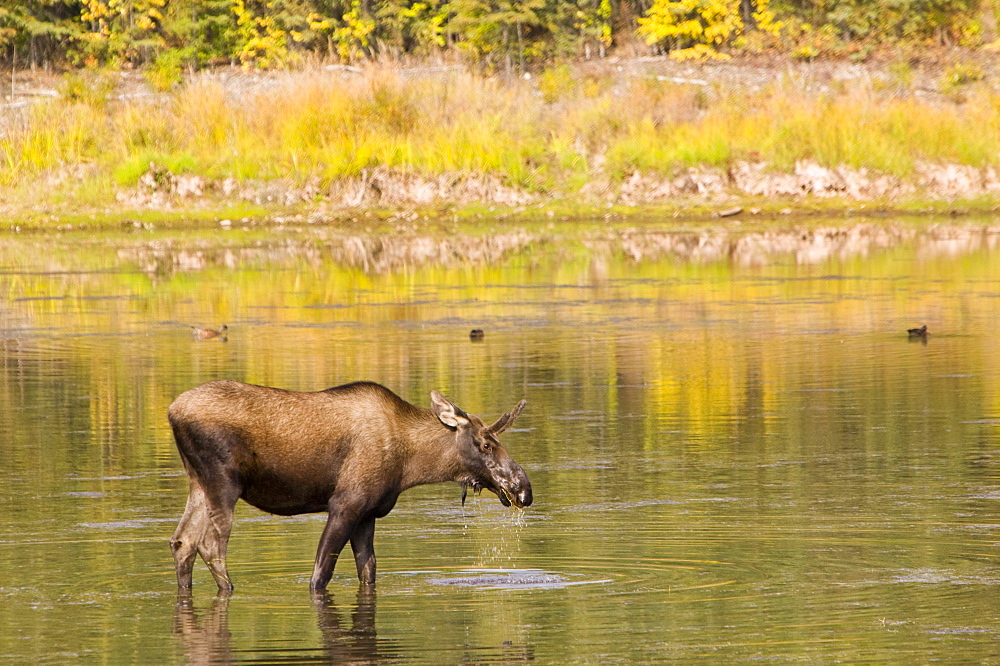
435,456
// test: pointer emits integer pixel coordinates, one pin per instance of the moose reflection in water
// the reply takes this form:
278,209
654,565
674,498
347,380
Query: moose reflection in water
349,451
207,639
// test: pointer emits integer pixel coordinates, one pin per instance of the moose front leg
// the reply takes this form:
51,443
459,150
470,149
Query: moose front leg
334,538
363,545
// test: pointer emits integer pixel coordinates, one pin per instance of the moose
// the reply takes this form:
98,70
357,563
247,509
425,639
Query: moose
349,451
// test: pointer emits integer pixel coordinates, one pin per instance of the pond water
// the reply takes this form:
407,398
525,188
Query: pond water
730,462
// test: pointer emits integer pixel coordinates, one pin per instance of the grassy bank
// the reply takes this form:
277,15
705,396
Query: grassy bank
335,140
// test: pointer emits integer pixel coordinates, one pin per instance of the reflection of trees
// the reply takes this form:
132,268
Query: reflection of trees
670,350
668,379
624,360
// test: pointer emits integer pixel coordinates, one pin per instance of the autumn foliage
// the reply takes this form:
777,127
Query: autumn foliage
171,35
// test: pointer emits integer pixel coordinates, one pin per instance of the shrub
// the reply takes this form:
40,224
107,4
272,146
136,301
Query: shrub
697,28
167,71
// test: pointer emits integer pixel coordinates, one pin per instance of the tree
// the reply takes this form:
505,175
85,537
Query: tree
582,27
37,32
201,30
909,20
413,27
126,30
496,31
697,28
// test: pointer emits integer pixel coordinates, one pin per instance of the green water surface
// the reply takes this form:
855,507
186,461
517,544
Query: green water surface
729,462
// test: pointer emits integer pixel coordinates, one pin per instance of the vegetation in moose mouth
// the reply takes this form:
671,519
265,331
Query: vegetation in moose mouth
506,497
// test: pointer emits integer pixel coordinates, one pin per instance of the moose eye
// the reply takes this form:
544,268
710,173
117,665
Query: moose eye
485,447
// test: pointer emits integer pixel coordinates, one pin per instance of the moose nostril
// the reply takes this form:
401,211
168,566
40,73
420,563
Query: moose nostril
524,497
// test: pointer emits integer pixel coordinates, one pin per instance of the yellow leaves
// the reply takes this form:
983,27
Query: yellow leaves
123,18
437,27
766,20
264,43
95,10
691,22
352,33
698,52
320,24
352,36
695,28
427,20
596,22
415,10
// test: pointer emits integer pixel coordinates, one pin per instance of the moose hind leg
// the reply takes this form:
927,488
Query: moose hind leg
190,531
215,541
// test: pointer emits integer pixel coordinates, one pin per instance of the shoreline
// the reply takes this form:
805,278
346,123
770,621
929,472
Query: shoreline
386,244
743,191
616,140
676,201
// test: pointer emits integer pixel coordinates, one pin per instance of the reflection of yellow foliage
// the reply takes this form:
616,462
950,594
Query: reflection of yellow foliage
684,422
689,373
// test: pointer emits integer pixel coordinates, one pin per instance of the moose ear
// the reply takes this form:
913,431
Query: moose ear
507,419
448,412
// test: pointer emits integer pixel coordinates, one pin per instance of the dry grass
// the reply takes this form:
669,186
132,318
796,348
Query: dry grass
551,134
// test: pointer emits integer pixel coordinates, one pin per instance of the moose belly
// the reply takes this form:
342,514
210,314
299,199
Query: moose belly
286,499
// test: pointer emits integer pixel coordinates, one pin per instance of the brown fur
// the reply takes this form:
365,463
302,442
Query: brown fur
349,451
